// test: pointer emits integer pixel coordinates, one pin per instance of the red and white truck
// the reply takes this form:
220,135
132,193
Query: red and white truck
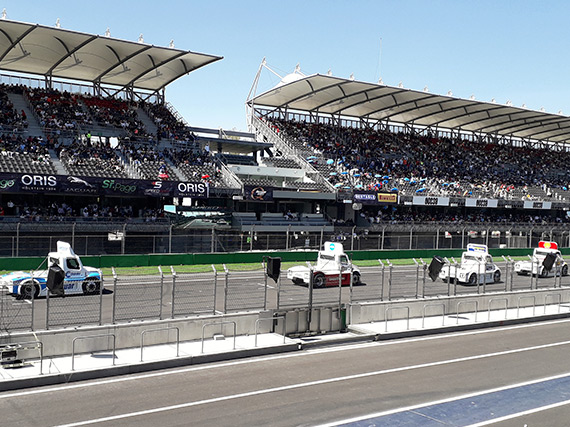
332,262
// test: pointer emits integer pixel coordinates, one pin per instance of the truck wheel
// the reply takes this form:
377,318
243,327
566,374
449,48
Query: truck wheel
497,276
319,280
565,270
91,286
355,278
543,272
472,279
29,288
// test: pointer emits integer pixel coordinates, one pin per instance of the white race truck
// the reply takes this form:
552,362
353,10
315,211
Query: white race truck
331,261
477,267
539,255
78,278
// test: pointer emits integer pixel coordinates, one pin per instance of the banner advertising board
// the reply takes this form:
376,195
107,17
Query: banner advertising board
90,185
259,193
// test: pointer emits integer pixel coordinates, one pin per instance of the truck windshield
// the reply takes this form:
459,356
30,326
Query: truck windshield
542,253
72,264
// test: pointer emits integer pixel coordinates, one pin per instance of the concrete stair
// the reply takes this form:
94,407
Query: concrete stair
59,168
147,121
34,128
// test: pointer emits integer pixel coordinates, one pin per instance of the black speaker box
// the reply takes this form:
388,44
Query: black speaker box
274,267
548,262
435,267
55,279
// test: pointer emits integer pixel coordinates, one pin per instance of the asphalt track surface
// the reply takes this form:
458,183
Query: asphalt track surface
517,375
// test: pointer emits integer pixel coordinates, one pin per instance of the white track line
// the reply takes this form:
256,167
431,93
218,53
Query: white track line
521,414
464,396
309,352
310,384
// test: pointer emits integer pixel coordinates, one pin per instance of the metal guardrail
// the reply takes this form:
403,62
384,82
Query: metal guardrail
227,322
266,319
401,307
86,337
442,305
506,300
524,297
171,328
552,295
467,302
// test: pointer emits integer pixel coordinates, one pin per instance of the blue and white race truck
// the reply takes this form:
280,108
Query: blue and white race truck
79,279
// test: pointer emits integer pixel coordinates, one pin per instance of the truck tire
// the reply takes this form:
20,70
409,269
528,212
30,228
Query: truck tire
355,278
29,288
473,279
565,270
319,280
91,286
497,277
543,272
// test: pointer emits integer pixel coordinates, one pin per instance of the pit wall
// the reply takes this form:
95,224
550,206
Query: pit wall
59,342
391,310
106,261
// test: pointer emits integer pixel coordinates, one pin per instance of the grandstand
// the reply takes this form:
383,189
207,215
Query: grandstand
92,146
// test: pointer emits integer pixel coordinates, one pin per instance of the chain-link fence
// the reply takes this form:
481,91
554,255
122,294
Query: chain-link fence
194,293
72,310
244,291
15,313
137,297
170,294
371,286
36,239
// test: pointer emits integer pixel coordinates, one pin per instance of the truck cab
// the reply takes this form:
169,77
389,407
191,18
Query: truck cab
79,279
535,266
477,267
332,262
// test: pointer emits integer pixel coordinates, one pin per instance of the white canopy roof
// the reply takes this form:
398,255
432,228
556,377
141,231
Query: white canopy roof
50,51
332,95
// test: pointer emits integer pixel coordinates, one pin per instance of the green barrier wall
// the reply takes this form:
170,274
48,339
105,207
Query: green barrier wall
106,261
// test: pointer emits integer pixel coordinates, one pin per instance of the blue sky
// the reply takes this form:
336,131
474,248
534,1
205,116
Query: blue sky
507,50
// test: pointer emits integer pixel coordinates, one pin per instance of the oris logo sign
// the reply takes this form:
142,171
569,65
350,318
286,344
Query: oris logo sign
39,180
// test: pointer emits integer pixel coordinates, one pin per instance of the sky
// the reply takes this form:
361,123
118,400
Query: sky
508,50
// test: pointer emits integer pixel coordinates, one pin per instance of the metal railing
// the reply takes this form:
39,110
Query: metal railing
393,308
171,328
227,322
86,337
265,319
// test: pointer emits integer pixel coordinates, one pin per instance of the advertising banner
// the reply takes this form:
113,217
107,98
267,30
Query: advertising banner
259,193
481,203
89,185
431,201
372,197
537,205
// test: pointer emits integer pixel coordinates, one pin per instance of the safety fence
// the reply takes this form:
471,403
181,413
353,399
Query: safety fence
30,239
168,294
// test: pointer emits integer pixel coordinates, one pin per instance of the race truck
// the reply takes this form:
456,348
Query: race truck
79,279
332,261
476,267
539,259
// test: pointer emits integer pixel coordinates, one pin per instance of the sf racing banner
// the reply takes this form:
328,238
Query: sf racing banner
86,185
